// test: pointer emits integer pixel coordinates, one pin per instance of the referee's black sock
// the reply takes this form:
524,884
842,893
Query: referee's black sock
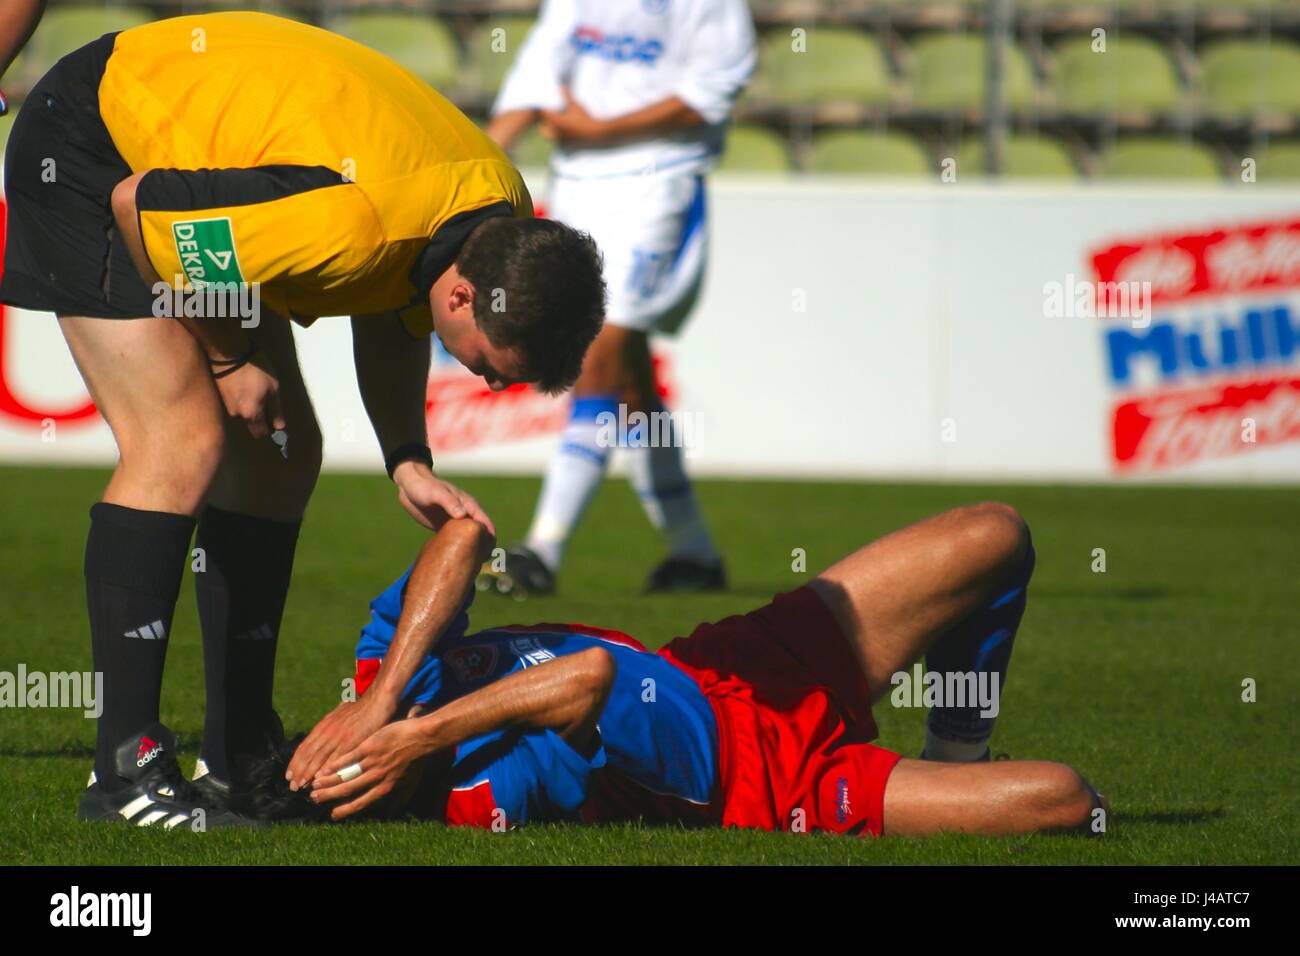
134,563
241,595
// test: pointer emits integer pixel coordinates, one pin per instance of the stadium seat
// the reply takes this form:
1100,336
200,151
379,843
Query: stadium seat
64,29
492,53
421,44
1243,77
881,154
1280,161
1152,157
754,149
1035,156
836,64
1133,74
948,73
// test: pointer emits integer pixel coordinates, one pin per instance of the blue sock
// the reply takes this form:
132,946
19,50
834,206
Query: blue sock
980,645
658,476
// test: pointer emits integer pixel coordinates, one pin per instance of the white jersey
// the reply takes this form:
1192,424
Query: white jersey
618,56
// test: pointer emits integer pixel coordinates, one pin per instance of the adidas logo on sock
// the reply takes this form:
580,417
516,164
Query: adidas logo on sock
262,632
149,632
148,750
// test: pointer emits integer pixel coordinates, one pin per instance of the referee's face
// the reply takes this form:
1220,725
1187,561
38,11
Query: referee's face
469,345
451,301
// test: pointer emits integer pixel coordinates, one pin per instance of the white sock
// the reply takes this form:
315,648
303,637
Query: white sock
572,479
659,480
953,751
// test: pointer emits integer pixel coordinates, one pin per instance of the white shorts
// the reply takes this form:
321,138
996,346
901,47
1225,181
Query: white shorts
652,232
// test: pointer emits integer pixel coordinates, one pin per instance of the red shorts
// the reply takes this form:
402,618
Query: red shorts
794,717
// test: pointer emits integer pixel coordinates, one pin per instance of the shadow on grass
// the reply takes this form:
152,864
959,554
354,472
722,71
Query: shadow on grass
185,743
1173,816
1112,594
69,750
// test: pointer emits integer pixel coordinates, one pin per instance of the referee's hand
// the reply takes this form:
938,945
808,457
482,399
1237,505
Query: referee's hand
431,501
251,393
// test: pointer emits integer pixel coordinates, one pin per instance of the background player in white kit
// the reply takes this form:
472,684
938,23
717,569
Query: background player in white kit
636,94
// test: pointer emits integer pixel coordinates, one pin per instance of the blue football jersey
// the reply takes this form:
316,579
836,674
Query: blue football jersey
657,730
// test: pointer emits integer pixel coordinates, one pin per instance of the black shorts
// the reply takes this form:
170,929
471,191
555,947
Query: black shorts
63,250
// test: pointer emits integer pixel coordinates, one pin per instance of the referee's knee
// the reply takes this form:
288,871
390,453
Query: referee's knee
173,467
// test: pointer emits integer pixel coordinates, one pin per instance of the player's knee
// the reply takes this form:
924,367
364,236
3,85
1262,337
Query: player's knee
1064,800
189,455
1000,533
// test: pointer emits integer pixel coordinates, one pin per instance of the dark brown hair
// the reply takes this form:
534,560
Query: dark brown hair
538,290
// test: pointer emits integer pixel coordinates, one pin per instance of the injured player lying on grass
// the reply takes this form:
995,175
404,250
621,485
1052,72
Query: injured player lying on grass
761,720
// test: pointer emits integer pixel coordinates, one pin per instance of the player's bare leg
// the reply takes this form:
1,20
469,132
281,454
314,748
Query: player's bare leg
923,797
248,532
895,597
151,382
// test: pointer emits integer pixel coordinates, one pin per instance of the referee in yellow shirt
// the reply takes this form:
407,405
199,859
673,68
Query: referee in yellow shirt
235,171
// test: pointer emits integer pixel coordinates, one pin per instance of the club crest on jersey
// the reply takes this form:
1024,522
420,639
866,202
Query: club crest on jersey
206,248
472,663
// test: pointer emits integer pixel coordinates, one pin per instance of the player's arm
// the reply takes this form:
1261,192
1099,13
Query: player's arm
435,592
534,81
439,582
504,128
575,124
565,696
393,376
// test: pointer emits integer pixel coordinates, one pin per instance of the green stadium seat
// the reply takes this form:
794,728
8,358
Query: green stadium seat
422,44
1134,73
1151,157
948,73
881,154
835,65
492,53
532,149
754,149
1030,156
64,29
1280,161
1245,77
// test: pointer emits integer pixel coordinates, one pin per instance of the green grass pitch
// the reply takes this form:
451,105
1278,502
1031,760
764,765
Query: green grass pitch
1133,675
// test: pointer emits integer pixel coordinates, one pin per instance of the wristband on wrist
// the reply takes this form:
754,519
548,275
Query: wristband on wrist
412,451
223,367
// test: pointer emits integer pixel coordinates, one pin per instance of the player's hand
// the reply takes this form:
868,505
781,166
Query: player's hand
338,732
251,393
383,758
432,501
572,123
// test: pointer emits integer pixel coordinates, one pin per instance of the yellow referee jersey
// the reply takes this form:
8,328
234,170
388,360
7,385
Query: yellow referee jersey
289,156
